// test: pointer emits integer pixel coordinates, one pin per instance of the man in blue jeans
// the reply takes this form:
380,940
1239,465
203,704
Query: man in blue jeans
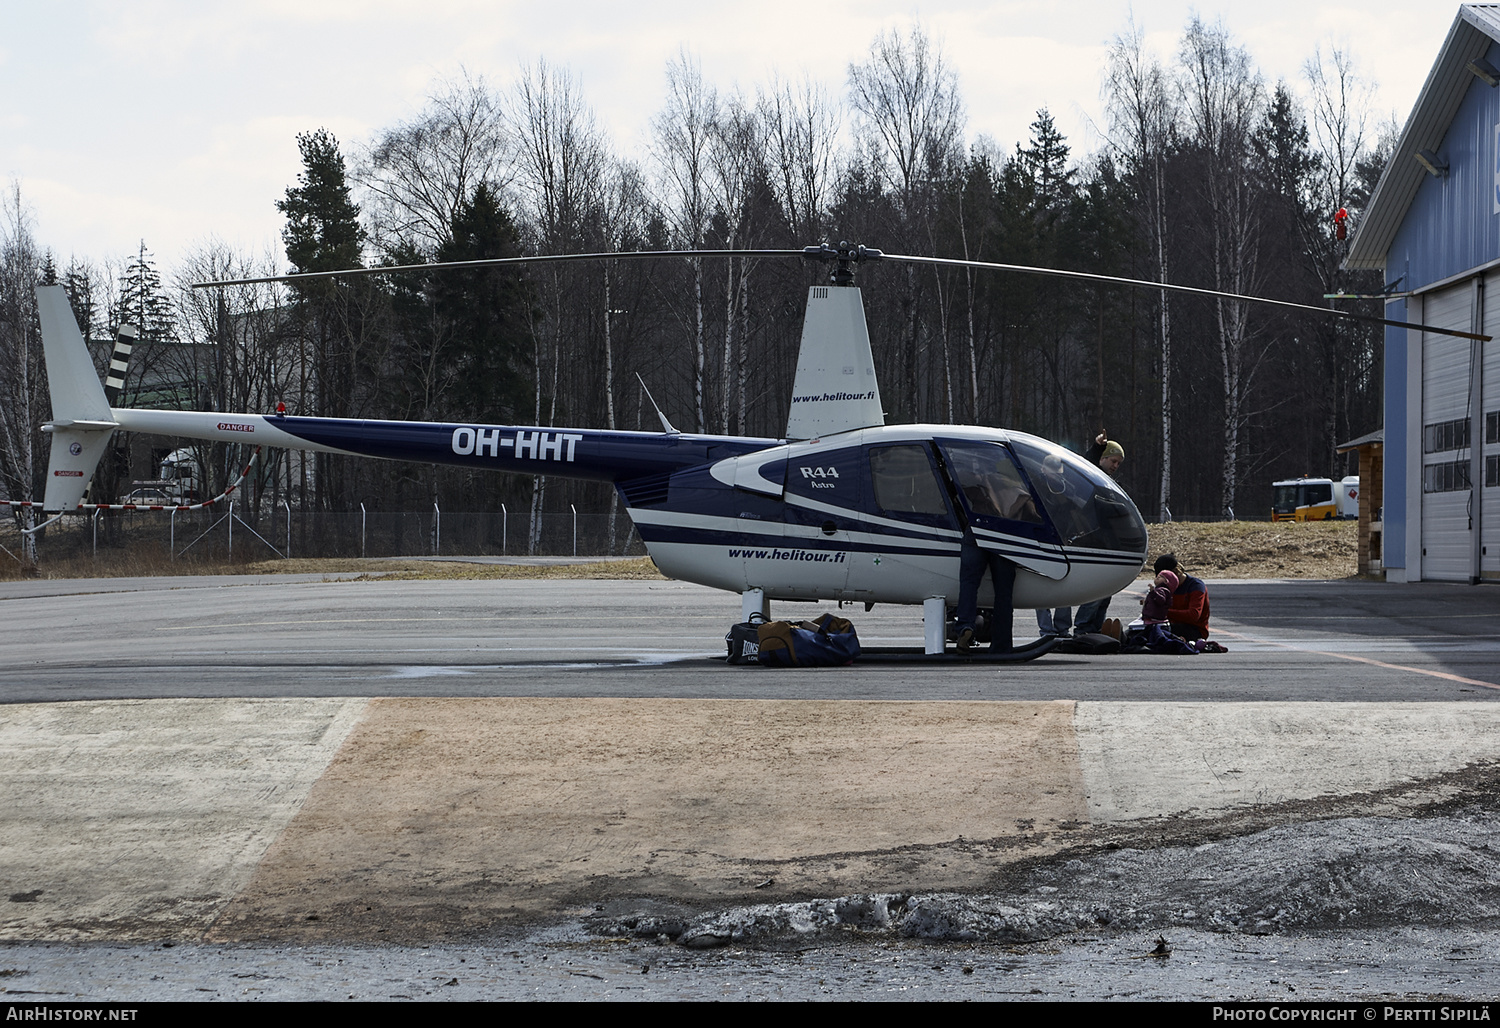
972,564
1054,622
990,492
1109,455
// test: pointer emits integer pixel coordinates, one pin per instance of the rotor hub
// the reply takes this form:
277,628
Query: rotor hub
843,257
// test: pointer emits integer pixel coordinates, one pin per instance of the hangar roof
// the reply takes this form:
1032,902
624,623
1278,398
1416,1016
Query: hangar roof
1474,29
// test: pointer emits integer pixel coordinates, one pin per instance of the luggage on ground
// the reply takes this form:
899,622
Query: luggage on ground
829,641
743,639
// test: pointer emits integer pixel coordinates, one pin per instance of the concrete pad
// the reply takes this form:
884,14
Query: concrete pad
132,819
403,819
443,813
1143,760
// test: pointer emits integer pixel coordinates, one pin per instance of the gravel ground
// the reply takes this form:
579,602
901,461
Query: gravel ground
1362,967
1349,909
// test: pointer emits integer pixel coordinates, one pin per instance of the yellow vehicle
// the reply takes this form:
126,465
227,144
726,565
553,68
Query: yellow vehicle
1303,499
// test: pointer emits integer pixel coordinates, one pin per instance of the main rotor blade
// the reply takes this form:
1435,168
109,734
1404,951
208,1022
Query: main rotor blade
306,276
1086,276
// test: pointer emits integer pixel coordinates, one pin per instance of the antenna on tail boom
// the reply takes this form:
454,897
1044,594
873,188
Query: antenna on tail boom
666,426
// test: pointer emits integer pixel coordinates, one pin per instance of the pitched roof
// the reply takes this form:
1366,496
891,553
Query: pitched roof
1474,29
1377,436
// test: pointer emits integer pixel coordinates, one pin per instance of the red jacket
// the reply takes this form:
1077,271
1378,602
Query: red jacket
1190,604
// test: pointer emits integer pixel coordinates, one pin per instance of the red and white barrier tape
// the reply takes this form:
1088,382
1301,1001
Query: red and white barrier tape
132,506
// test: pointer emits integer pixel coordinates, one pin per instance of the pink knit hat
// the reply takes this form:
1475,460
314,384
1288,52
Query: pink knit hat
1171,579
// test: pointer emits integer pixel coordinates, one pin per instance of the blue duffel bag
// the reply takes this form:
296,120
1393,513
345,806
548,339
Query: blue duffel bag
827,642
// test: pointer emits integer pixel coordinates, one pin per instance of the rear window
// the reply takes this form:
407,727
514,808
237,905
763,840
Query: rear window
904,482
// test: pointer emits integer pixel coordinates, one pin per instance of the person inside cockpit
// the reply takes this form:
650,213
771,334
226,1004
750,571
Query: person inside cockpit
992,485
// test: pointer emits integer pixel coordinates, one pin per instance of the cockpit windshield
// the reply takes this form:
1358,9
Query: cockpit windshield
1086,506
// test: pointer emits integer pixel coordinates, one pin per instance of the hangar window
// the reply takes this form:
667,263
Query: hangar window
1492,427
1492,470
1450,476
1445,435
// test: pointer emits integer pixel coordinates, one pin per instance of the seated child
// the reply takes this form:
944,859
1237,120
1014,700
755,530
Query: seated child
1155,611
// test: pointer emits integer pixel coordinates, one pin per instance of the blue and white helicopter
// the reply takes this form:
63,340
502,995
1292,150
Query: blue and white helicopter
843,507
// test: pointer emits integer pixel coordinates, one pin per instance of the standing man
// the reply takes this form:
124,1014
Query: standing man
1109,455
974,561
990,492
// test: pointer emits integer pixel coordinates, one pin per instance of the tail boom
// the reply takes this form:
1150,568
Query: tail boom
606,456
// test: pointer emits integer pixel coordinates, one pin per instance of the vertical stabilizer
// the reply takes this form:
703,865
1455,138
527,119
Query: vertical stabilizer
81,419
71,378
835,389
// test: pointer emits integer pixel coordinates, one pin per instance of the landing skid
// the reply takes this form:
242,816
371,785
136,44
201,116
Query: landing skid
897,655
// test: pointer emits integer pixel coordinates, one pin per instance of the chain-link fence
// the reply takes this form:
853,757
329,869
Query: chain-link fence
216,536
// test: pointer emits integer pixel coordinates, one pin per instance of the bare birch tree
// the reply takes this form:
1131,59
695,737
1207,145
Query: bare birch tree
910,115
910,111
1142,123
682,135
1340,122
1223,100
623,221
562,164
737,168
23,404
801,135
417,175
234,348
1340,101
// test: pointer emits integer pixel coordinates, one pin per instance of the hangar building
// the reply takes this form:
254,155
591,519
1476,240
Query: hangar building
1433,227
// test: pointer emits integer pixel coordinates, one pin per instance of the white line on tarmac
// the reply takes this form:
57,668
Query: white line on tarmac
1374,644
1366,660
465,619
435,671
217,654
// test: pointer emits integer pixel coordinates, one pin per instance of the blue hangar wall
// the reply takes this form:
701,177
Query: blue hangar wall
1450,229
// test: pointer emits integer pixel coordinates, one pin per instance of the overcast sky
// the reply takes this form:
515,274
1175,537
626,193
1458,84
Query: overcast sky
175,122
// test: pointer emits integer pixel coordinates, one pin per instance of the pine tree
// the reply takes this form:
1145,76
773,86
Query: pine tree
79,282
490,310
322,231
142,302
1046,162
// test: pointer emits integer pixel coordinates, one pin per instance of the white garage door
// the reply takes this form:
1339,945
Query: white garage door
1446,540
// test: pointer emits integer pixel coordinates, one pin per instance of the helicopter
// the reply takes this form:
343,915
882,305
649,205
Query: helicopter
842,507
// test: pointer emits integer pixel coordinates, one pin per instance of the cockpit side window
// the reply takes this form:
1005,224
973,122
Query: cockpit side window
990,482
903,481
